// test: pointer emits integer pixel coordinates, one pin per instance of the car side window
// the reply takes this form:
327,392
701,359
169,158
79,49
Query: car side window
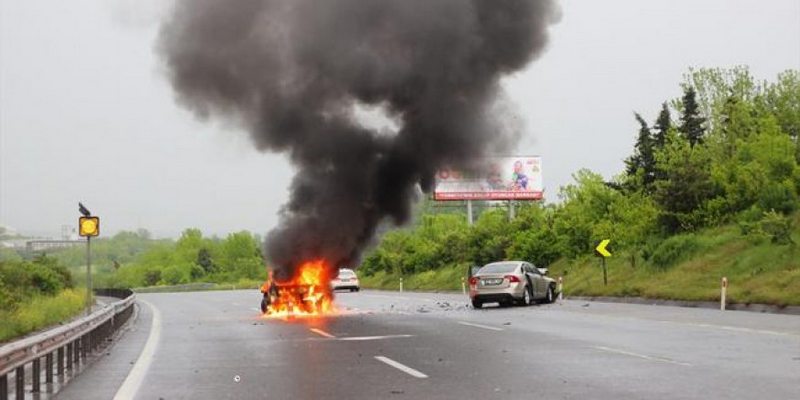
527,268
533,269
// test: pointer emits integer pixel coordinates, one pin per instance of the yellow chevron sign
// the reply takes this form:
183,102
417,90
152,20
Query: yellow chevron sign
601,248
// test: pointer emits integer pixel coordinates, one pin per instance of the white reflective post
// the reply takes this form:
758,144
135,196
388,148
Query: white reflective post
560,288
723,293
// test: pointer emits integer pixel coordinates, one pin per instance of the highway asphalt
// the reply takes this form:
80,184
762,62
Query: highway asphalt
215,345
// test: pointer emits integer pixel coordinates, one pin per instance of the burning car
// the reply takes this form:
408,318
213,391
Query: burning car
306,293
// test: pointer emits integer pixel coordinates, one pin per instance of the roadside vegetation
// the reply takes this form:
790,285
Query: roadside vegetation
710,190
35,294
134,260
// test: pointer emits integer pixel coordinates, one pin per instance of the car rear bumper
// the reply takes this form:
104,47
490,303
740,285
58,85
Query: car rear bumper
494,297
342,287
514,292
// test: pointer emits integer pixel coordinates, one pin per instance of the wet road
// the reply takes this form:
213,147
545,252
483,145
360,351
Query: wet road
215,345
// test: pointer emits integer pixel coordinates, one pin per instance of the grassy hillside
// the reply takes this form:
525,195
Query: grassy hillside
758,271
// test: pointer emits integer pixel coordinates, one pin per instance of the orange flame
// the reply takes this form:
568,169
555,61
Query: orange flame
308,293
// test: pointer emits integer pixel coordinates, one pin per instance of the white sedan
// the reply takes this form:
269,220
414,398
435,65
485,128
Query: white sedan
346,280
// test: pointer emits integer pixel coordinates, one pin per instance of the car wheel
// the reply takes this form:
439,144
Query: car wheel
550,295
527,298
358,289
476,304
264,305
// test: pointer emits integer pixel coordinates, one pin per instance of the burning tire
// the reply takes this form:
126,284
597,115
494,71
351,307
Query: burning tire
264,304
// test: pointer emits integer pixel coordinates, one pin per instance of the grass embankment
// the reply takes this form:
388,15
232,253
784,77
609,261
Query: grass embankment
40,312
758,271
447,278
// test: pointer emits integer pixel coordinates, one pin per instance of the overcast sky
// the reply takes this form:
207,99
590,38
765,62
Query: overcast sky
86,113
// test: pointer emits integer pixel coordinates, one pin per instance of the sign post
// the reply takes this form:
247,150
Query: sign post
603,252
88,227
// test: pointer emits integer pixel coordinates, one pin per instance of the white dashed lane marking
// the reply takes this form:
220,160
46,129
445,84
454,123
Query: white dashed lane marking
321,333
392,363
491,328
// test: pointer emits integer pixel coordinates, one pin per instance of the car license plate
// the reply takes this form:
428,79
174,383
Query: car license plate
345,280
492,281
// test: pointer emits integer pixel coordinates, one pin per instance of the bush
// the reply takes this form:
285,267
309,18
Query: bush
39,312
777,227
675,249
175,274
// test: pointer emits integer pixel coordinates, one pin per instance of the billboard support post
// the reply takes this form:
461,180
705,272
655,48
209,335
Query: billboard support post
510,210
469,212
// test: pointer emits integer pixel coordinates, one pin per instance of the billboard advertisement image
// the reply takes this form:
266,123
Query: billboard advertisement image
500,178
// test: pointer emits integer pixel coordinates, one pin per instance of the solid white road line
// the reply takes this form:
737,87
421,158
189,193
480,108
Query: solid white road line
134,380
491,328
642,356
401,367
321,333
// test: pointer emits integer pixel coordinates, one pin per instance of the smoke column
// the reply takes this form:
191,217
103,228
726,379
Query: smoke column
292,73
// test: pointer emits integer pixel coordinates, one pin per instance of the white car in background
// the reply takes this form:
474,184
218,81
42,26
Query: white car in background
346,280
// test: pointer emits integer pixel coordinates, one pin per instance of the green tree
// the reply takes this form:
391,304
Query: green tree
662,126
691,121
641,165
687,186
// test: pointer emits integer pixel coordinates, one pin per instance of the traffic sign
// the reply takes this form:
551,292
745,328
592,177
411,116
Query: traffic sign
601,249
89,226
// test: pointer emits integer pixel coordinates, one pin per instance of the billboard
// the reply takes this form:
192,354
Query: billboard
500,178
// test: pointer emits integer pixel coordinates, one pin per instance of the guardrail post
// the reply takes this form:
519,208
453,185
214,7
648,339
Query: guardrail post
4,387
20,386
60,361
85,343
36,375
76,350
48,365
69,356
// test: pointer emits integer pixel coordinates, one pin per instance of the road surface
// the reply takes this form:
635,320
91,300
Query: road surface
215,345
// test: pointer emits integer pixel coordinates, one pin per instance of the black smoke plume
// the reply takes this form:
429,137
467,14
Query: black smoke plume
291,72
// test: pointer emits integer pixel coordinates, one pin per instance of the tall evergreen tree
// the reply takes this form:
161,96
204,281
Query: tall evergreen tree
642,161
691,121
663,124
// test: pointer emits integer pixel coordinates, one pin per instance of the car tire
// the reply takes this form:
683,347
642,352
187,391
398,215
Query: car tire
477,304
550,296
264,305
358,289
527,297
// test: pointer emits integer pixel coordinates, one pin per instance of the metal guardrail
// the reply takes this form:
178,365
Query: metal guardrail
62,348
